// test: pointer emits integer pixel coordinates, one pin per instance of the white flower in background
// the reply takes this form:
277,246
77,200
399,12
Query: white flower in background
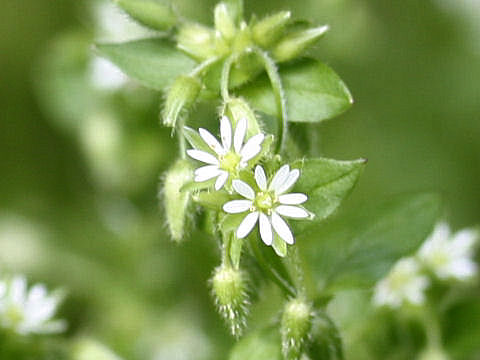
404,284
450,256
228,159
268,205
28,311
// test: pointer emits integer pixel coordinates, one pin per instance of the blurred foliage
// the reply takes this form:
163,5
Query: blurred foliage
81,161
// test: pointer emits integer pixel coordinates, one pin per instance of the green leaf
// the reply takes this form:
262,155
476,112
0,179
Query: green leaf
155,62
326,182
358,249
259,345
313,91
152,13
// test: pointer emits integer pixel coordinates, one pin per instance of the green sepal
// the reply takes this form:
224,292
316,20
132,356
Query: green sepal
325,342
269,29
151,13
235,251
180,98
279,246
193,186
198,41
230,222
211,200
194,138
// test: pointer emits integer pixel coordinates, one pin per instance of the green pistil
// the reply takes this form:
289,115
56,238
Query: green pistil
230,162
264,201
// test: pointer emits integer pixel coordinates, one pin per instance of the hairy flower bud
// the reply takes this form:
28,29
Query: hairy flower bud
177,202
229,288
224,22
238,108
151,13
181,96
294,44
269,29
196,40
295,327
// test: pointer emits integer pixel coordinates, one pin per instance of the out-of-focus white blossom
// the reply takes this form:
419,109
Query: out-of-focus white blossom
106,76
404,284
450,256
28,311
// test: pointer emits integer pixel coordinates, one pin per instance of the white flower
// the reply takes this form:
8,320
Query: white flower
28,311
227,159
403,284
450,256
266,205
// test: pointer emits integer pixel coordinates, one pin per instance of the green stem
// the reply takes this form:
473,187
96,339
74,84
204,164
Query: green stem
296,265
432,327
279,94
272,274
203,66
225,78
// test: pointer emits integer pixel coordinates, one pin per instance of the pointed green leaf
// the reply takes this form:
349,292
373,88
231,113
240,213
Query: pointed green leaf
326,182
155,62
360,248
313,91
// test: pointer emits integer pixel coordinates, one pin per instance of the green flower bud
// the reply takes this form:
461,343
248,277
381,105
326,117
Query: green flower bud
236,109
177,202
268,30
197,41
295,327
294,44
224,22
181,96
151,13
229,287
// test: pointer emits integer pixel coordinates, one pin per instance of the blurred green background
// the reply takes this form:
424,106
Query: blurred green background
81,212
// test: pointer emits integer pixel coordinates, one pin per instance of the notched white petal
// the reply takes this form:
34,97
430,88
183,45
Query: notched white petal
243,189
247,225
279,178
294,212
237,206
239,136
226,132
221,180
282,229
211,141
260,177
205,173
293,199
289,182
265,229
202,156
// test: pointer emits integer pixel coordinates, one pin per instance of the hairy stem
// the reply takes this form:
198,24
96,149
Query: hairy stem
279,94
225,79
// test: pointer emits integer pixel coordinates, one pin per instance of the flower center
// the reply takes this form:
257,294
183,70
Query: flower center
230,161
264,201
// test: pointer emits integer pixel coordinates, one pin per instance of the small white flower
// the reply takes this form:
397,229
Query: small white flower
404,284
450,256
268,204
28,311
228,159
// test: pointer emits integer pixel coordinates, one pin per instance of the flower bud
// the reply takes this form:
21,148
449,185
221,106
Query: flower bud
224,22
177,202
181,96
236,109
269,29
154,14
295,327
229,288
294,44
196,40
